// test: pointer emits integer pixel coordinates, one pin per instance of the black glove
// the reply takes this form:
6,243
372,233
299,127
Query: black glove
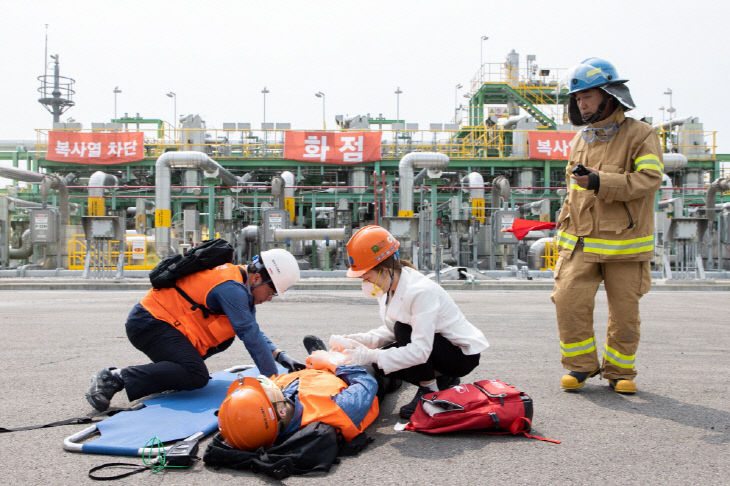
288,362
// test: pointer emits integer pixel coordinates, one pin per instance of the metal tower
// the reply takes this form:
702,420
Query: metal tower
56,91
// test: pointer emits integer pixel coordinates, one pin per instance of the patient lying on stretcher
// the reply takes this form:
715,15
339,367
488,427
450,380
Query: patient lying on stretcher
258,410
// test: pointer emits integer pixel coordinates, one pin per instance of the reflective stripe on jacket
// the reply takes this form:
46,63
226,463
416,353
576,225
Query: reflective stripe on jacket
617,223
169,306
316,389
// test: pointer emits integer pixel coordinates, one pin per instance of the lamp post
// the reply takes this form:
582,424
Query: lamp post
116,92
467,96
456,106
397,92
320,94
481,57
172,95
671,108
265,91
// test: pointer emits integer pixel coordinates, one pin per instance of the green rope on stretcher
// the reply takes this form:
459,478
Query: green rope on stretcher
154,456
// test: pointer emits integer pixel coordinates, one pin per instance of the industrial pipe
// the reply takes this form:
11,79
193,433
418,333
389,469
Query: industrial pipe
500,189
99,179
22,203
674,162
288,184
426,160
476,185
511,121
526,208
189,159
21,175
282,234
25,250
673,123
536,252
55,182
722,184
277,191
96,191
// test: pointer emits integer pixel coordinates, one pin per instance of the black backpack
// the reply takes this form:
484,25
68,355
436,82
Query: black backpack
205,256
314,447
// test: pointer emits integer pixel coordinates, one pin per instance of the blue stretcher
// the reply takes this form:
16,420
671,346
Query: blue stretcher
168,416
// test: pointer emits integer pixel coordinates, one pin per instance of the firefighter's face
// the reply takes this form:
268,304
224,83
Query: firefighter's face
588,101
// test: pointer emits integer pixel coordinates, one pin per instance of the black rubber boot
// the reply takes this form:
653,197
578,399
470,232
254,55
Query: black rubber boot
104,384
576,379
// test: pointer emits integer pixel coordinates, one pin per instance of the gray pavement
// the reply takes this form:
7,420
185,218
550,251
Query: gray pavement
676,430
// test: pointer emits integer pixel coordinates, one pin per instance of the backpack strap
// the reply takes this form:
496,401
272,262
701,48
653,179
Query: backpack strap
194,305
522,425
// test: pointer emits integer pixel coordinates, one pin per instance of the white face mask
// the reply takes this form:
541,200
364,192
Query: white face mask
371,290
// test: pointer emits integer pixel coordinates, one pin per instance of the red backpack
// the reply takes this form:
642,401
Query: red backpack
489,406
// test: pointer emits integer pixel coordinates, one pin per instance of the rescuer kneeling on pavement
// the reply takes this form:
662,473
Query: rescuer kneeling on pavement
605,227
425,338
258,410
178,338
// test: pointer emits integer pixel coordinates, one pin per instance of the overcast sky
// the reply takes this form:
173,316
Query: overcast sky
218,55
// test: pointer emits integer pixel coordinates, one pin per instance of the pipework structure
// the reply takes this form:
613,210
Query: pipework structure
447,192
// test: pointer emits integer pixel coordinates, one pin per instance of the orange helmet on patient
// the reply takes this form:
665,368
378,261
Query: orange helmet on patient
368,247
247,419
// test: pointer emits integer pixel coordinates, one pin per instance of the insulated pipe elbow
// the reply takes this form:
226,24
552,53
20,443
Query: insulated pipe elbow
500,190
55,182
288,184
98,180
722,184
476,185
423,160
183,159
25,250
674,162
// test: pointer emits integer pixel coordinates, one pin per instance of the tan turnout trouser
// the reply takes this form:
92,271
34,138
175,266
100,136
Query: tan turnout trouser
576,283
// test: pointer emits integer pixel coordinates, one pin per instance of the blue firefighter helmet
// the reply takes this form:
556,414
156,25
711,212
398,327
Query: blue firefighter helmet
595,72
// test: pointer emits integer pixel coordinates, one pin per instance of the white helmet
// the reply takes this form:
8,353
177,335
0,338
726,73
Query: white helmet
282,267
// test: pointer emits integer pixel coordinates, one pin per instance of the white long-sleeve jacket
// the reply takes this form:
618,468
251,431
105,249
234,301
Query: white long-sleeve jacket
428,309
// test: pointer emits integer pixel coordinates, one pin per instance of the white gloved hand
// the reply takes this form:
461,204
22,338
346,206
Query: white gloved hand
360,355
339,343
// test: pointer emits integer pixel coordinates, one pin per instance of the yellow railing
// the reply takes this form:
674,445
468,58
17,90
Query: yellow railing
136,254
469,142
550,258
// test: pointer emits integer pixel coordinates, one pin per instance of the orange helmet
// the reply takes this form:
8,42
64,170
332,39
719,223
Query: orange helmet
368,247
246,418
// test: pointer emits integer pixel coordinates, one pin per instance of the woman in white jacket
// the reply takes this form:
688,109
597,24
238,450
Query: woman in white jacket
425,339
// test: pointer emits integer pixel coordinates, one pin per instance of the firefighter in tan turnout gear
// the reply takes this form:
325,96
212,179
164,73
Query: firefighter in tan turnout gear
605,227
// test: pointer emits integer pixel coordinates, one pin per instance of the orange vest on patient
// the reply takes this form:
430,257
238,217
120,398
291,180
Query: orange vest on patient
316,389
169,306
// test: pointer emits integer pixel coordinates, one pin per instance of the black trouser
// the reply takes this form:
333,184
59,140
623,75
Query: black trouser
446,358
176,364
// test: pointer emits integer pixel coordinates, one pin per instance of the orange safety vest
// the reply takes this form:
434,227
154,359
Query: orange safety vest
169,306
316,389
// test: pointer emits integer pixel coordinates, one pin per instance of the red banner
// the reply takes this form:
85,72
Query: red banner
332,147
550,145
95,147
